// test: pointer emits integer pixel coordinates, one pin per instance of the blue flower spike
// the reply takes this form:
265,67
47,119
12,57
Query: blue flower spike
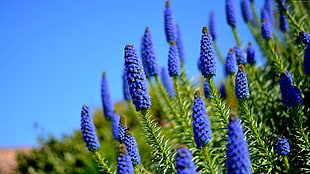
251,59
207,55
231,13
231,63
122,127
88,130
115,125
241,59
247,12
107,103
282,146
170,25
291,95
132,147
173,60
124,164
201,124
241,87
184,161
266,29
136,79
237,152
305,38
148,54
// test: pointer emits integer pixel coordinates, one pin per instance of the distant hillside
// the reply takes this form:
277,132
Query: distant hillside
7,158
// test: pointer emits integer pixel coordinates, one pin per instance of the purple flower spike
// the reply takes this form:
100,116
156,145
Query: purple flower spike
305,37
136,79
88,130
170,27
231,13
241,59
184,161
180,44
122,128
107,103
246,11
291,95
167,81
266,29
241,88
126,91
201,123
173,60
251,54
207,55
269,10
148,55
207,89
115,125
237,153
307,60
231,62
212,25
283,146
283,23
124,164
132,147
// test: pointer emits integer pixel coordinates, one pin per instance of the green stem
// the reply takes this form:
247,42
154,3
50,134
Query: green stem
178,95
208,158
274,58
287,164
255,131
189,91
220,107
155,138
234,29
102,165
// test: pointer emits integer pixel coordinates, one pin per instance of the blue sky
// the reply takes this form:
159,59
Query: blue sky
54,52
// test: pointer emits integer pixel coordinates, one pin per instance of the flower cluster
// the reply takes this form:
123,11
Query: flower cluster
291,95
88,130
136,79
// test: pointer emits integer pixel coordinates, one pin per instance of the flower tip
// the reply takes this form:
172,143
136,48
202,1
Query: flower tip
181,146
104,74
250,43
197,94
231,50
167,3
147,28
241,68
205,30
233,117
264,20
283,73
172,43
129,45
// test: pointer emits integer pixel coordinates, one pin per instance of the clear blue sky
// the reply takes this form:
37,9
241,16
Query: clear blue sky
52,55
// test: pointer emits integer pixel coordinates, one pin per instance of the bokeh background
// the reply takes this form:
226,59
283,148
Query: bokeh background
52,55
